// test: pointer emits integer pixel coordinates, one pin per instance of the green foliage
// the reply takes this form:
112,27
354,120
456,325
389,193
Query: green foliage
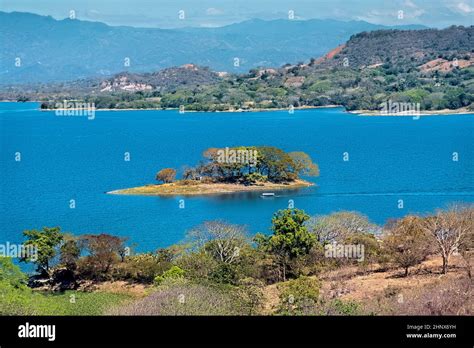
11,273
69,252
252,164
174,273
253,178
143,267
198,266
46,243
18,299
290,238
299,296
290,234
340,307
303,164
224,273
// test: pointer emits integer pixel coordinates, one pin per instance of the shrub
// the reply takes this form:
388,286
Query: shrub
299,296
173,273
224,273
340,307
188,299
141,267
197,265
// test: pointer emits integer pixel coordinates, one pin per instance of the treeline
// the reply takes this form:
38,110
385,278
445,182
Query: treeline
221,270
352,88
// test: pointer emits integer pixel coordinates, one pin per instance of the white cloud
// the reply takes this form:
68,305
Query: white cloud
465,7
212,11
459,6
409,3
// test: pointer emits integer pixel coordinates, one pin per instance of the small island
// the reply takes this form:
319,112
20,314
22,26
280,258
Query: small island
232,170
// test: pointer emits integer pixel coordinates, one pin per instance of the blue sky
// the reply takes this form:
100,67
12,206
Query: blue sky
212,13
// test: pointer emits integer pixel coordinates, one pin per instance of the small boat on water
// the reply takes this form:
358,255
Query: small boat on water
268,194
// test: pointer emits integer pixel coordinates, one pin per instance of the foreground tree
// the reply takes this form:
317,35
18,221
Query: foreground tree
103,251
69,252
46,243
166,175
290,238
339,226
220,240
451,230
407,242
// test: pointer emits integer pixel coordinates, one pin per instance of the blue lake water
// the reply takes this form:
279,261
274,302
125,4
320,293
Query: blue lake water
64,158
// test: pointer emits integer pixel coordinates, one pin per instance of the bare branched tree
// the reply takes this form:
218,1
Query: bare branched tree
221,240
407,242
452,229
338,226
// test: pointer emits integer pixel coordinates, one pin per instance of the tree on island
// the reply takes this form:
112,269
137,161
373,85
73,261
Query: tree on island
166,175
250,164
303,164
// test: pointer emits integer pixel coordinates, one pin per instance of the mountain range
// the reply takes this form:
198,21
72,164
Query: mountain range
37,49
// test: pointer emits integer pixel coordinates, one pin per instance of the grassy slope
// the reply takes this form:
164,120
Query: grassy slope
24,301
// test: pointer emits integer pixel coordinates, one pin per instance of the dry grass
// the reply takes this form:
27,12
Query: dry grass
207,188
385,291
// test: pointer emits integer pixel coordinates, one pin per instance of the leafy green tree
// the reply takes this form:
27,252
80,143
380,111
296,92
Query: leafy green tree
275,163
290,238
69,252
303,164
46,243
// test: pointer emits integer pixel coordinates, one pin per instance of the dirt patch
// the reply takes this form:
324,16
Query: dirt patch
364,286
352,284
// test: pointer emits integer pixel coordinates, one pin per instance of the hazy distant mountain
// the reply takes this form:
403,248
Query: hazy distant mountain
433,69
52,50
